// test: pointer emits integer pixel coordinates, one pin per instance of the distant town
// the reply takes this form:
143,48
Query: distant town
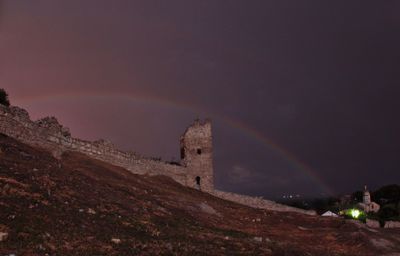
379,208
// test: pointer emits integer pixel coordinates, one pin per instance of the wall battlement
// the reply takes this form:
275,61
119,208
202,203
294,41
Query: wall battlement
49,134
195,169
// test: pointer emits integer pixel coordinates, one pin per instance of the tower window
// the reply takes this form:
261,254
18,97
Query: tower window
197,179
199,151
182,153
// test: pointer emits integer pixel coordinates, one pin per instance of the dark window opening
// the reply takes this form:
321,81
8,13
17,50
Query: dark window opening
199,151
182,153
198,180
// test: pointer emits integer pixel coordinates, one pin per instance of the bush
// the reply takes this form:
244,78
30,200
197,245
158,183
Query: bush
4,98
389,212
387,195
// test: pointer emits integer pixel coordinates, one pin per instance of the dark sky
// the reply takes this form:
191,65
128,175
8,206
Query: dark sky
304,95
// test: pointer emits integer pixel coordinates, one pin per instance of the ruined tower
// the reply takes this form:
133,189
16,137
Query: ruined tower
197,156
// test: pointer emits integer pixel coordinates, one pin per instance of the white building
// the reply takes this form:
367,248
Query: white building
329,214
367,205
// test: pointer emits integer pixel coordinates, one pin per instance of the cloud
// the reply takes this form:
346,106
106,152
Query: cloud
1,11
251,178
240,174
286,111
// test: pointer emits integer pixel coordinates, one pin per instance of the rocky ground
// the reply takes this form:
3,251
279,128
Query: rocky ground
80,206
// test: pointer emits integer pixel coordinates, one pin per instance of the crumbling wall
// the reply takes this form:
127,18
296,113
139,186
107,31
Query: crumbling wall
47,133
258,202
15,122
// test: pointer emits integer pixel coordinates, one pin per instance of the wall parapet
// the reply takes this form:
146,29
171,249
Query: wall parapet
49,134
259,202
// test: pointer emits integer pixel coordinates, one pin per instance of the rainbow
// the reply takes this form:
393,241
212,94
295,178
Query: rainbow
149,98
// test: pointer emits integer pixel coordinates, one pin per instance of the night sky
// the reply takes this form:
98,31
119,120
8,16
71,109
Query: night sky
303,95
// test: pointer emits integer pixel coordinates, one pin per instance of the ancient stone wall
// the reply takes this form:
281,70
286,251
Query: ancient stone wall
258,202
47,133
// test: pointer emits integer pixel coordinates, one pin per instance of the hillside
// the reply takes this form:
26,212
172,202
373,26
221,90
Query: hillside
81,206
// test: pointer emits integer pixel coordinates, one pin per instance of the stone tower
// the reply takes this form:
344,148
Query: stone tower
197,156
366,196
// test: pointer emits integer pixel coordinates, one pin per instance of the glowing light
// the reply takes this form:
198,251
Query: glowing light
355,213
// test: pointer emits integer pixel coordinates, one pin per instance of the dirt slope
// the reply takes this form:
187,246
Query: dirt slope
80,206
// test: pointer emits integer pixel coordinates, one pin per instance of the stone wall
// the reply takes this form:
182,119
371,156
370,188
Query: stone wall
388,224
258,202
196,149
47,133
392,224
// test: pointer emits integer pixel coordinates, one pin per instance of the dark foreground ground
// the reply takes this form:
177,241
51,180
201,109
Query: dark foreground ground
80,206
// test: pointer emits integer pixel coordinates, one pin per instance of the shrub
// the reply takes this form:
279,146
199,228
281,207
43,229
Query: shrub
4,98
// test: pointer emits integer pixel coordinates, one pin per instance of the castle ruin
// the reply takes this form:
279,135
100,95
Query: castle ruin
197,156
195,169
